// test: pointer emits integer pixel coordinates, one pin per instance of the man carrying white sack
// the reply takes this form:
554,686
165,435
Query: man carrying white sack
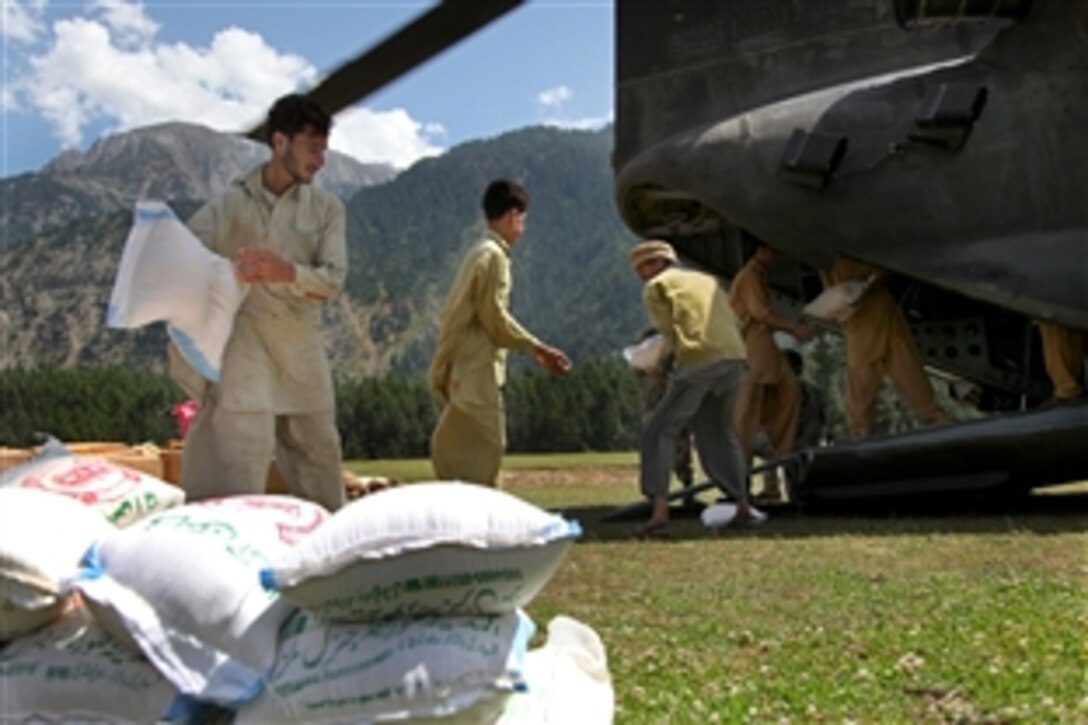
275,397
691,311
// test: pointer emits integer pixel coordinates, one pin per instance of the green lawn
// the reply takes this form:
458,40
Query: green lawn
419,469
974,617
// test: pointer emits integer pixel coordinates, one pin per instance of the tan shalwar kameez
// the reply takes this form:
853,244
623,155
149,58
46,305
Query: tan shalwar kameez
275,396
770,398
1064,351
878,343
468,369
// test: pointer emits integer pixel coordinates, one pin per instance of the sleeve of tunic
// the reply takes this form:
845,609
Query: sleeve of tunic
206,222
659,310
750,298
324,278
493,293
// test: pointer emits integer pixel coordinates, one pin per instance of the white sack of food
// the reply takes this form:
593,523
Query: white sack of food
567,680
393,670
646,355
123,495
74,671
836,303
718,515
166,274
183,585
42,539
427,549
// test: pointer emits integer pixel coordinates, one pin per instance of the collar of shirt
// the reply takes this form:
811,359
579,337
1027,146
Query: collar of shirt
253,183
497,238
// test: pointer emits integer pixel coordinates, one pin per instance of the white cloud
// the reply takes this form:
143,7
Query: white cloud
22,21
84,77
127,19
109,71
588,123
551,110
391,137
554,97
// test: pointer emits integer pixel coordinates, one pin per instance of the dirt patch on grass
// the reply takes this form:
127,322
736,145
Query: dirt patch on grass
571,477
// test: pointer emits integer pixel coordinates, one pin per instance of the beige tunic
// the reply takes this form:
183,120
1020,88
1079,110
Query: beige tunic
468,369
1065,352
879,343
770,397
876,319
275,360
691,311
275,397
749,297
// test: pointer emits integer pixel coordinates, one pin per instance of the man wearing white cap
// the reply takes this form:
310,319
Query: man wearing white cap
691,311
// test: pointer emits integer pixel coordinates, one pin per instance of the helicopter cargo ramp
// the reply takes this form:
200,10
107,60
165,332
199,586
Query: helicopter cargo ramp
1012,452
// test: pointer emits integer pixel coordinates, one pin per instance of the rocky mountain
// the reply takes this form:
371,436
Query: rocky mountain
572,287
164,161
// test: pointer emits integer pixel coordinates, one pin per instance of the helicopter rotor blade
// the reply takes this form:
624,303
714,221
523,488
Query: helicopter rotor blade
425,37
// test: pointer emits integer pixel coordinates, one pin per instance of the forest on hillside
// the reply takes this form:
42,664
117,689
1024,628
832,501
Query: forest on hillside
595,408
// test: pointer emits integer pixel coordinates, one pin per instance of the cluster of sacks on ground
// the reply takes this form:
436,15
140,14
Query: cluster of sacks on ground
119,602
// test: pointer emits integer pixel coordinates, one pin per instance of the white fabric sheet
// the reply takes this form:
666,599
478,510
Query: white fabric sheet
166,274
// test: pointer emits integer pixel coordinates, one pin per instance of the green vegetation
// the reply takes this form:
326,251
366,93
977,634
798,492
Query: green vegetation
103,404
595,408
977,617
419,469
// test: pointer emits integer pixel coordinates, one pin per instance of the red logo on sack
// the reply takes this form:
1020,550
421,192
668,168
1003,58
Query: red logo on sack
290,532
90,480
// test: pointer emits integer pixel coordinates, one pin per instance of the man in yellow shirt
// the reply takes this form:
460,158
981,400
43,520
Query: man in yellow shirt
691,311
476,329
770,397
275,396
878,343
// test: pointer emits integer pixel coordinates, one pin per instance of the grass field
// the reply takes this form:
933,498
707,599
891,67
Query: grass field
972,616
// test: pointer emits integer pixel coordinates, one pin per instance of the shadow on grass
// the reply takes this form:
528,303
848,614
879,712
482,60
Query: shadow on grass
937,514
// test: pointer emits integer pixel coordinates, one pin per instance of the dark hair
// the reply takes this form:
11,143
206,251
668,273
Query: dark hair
502,196
293,113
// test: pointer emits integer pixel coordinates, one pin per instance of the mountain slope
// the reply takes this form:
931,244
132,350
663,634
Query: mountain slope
164,161
572,287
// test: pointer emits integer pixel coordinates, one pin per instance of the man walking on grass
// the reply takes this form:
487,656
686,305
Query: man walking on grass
476,330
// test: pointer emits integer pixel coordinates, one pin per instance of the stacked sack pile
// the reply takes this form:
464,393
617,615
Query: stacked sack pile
405,605
57,662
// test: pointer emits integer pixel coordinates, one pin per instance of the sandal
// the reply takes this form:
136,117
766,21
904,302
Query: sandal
650,531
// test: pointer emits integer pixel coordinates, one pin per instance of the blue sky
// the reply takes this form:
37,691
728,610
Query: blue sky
75,70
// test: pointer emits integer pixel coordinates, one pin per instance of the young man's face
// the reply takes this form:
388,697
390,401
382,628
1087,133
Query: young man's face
650,268
512,225
303,154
